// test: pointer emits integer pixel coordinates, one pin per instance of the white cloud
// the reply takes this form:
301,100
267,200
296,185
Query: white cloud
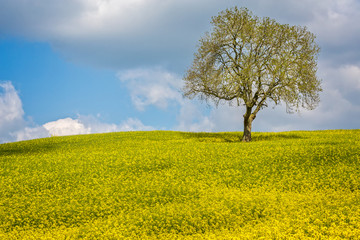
345,78
161,88
152,86
69,126
192,119
66,126
80,125
339,105
339,108
28,133
95,125
132,124
10,104
13,126
227,118
11,111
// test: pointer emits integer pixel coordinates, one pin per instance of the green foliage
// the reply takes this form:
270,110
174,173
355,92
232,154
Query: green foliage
255,62
175,185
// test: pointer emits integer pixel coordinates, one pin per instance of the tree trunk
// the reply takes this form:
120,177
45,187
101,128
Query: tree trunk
248,119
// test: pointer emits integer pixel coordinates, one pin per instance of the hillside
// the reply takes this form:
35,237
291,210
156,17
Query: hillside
177,185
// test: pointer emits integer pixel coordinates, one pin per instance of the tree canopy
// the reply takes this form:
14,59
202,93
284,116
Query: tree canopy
253,61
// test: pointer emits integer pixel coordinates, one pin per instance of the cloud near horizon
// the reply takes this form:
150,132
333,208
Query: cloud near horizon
14,127
160,88
340,97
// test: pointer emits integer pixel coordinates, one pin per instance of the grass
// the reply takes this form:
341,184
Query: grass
177,185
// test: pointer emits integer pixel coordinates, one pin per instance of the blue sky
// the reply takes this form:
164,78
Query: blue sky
88,66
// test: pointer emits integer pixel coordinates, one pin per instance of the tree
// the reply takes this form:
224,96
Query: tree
253,61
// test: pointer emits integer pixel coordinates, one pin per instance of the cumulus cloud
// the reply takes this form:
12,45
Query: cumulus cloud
344,79
69,126
227,118
192,119
66,126
10,103
90,124
152,86
11,111
14,127
133,124
161,88
339,107
95,125
27,133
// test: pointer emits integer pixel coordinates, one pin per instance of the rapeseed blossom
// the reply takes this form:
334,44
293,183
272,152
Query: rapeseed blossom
176,185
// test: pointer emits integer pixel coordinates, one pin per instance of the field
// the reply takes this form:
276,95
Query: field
177,185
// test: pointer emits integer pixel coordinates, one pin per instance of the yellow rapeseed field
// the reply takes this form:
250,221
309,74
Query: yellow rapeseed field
176,185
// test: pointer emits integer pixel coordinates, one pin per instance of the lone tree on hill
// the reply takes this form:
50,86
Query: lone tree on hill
252,61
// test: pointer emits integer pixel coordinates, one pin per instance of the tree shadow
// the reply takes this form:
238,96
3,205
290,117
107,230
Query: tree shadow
28,147
236,137
275,136
213,137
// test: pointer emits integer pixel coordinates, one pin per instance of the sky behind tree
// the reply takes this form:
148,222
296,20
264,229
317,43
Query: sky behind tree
88,66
